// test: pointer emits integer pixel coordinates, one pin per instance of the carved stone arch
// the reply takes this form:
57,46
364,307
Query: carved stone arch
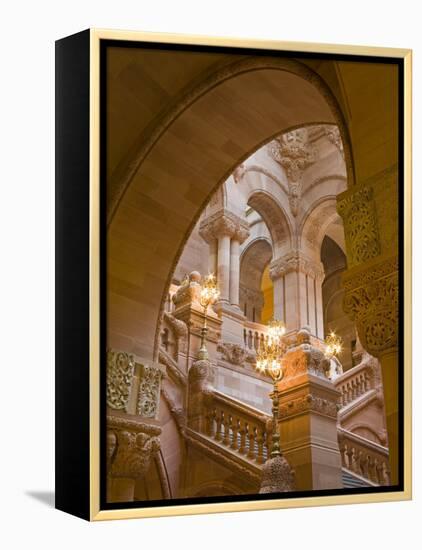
168,181
320,216
253,261
217,488
274,217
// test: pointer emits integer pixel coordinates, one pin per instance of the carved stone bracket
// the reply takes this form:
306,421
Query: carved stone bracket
224,222
296,261
357,208
179,329
131,446
372,301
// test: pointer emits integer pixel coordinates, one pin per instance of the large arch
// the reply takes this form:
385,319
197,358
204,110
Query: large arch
172,178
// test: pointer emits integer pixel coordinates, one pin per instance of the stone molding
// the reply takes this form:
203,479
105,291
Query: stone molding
178,413
372,302
174,371
357,209
122,177
334,136
308,403
130,446
296,261
222,223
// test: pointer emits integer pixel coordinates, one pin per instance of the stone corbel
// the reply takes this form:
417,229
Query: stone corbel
296,261
130,447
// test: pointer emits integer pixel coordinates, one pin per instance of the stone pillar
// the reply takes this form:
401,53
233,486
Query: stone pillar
227,227
223,270
371,300
371,283
297,281
234,272
308,417
213,251
131,445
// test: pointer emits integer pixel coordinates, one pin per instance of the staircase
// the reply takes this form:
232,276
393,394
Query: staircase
239,435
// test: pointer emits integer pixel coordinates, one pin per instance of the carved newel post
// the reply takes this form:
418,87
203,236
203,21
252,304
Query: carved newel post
307,416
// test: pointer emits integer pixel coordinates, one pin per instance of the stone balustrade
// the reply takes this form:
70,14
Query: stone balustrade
254,335
239,427
364,458
355,382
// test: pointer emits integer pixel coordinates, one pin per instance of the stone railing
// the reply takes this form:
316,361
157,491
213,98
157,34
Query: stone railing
364,458
237,426
354,383
254,334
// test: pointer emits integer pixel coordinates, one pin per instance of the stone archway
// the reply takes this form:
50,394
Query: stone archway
170,181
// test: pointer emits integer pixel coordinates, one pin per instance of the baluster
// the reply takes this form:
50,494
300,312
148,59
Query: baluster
219,421
343,455
242,431
372,474
251,437
211,423
227,426
256,341
350,458
244,337
235,431
250,339
365,466
379,472
385,474
260,440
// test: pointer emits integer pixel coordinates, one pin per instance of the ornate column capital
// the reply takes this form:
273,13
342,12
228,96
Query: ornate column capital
222,223
296,261
131,446
372,302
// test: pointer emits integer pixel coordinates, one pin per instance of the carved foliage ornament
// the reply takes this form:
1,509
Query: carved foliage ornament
120,369
149,391
374,307
134,453
293,151
234,353
360,226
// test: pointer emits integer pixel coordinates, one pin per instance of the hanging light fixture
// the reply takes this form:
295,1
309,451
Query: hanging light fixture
208,295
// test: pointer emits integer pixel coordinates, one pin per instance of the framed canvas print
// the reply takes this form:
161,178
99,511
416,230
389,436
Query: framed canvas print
233,274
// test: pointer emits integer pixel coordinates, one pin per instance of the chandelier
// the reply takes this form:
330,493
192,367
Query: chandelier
269,361
208,295
333,345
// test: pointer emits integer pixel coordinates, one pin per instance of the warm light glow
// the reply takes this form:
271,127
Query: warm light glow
270,352
333,345
209,291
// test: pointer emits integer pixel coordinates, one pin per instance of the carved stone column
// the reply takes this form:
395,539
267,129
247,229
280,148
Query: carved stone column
131,445
297,282
308,417
230,230
371,283
234,272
